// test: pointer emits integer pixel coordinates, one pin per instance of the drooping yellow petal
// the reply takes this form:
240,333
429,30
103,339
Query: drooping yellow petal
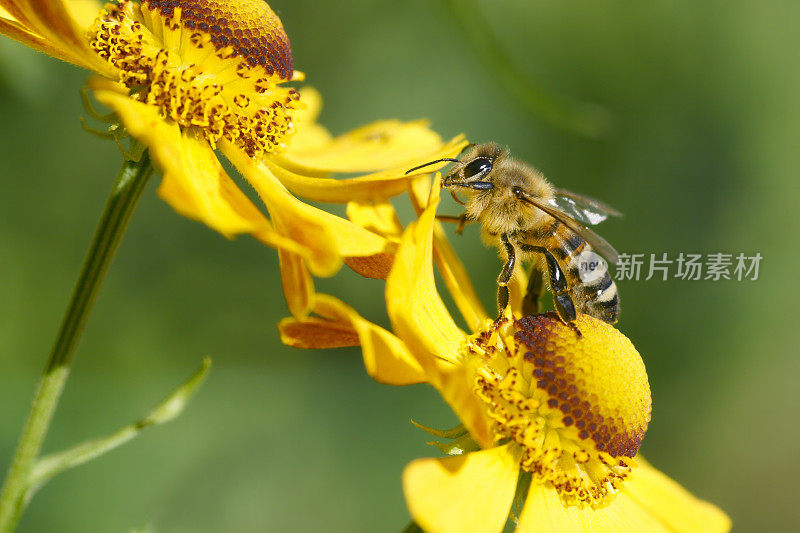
11,28
670,503
450,266
543,512
378,217
469,493
306,182
648,502
421,320
418,315
376,266
298,285
194,183
329,237
50,27
386,358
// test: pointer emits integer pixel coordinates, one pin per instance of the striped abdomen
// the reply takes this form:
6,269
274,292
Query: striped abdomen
590,285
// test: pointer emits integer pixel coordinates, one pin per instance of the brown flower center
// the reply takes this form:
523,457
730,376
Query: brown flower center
578,407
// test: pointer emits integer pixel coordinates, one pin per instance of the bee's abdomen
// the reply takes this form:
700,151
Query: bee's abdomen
591,286
601,299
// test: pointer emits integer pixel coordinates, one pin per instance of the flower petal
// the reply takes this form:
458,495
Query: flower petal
386,358
418,315
421,320
383,144
330,238
450,266
649,501
194,182
309,135
13,29
378,217
59,33
670,503
462,494
310,182
376,266
298,285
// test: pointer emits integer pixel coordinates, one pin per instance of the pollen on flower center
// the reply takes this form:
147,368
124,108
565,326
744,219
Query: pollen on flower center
578,407
216,65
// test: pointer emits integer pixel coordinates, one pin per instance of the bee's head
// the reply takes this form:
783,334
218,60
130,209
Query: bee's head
473,173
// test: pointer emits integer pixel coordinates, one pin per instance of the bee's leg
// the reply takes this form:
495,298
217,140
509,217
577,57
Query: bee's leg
505,275
461,220
563,301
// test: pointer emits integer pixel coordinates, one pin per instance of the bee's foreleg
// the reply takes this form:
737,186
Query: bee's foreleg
511,260
505,275
461,220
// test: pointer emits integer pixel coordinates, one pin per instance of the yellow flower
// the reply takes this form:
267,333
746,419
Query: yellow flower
187,77
551,420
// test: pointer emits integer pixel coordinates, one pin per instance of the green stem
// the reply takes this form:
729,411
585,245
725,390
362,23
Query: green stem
131,182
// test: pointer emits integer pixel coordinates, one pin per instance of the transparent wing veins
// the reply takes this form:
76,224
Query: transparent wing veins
581,208
599,244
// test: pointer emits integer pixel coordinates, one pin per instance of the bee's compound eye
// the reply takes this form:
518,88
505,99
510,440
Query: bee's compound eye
480,166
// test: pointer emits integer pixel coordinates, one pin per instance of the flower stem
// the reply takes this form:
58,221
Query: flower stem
131,182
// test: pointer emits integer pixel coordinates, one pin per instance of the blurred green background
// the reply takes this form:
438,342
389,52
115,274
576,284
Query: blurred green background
703,157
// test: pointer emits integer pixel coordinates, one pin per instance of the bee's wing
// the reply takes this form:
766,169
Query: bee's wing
599,244
583,209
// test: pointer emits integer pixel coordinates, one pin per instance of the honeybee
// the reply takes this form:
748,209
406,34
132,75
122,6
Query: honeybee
528,218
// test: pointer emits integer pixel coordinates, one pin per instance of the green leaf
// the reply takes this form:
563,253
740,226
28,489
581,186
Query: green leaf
173,405
453,433
460,446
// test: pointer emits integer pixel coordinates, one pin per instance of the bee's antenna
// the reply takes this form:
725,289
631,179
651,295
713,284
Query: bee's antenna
432,163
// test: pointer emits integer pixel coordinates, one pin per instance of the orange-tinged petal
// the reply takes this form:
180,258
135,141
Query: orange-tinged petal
380,218
670,503
308,183
376,266
450,266
418,315
469,493
386,358
314,333
54,23
298,286
329,237
11,28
